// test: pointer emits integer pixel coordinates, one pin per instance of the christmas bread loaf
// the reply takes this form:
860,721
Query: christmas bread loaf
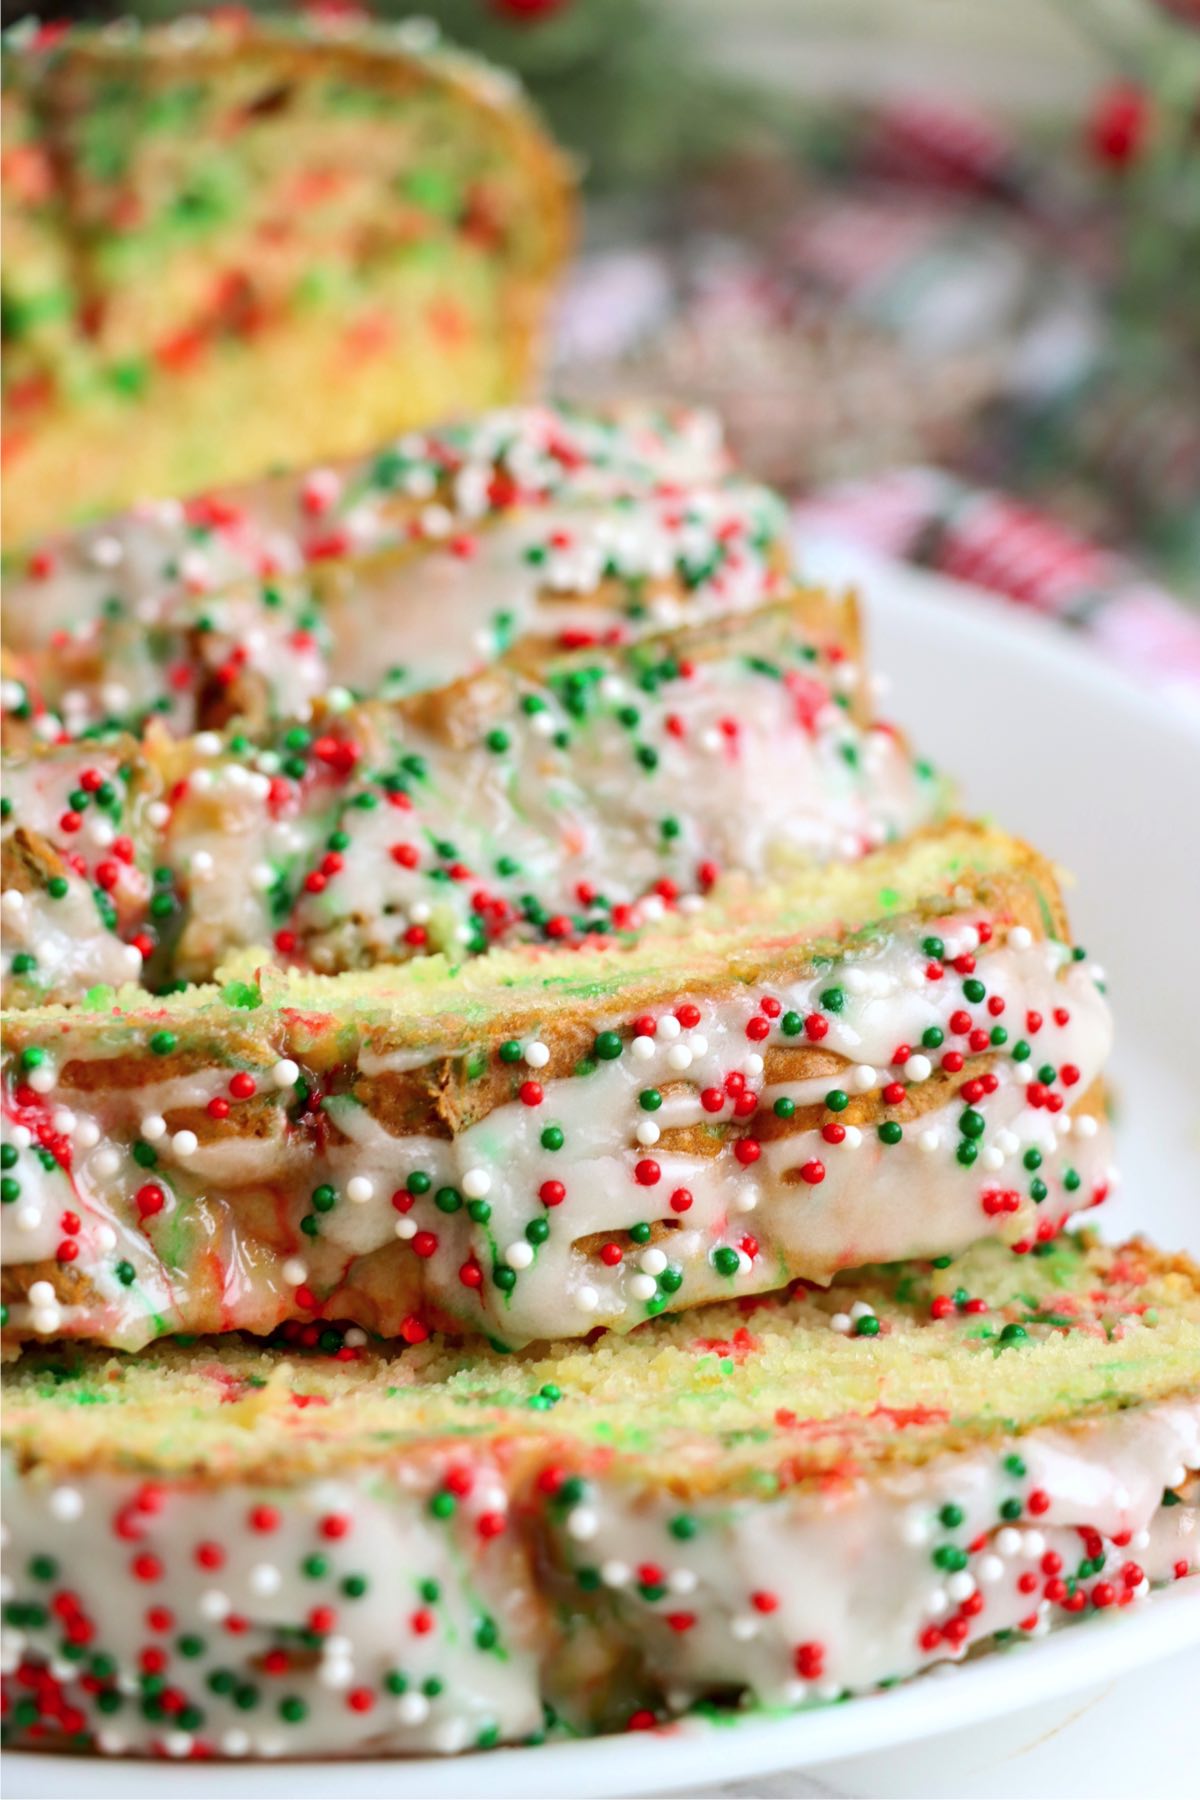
234,244
883,1059
334,1549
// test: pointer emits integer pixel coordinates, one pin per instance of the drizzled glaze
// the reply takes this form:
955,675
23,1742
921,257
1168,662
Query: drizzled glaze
714,1145
548,800
492,1575
408,569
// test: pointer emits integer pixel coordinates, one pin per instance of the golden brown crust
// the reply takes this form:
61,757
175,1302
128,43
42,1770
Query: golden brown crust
58,85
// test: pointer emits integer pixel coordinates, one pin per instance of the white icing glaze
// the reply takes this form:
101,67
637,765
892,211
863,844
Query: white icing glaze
236,1203
785,1601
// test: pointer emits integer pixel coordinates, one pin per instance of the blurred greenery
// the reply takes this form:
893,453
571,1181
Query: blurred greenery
617,80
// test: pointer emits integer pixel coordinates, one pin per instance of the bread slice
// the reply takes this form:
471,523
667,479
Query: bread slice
332,1549
554,797
883,1059
392,574
242,244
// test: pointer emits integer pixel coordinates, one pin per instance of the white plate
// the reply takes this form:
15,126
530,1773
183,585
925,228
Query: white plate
1053,743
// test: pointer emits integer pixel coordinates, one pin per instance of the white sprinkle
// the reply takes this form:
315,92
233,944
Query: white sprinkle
752,1066
865,1078
1033,1543
157,813
185,1143
918,1068
41,1293
743,1627
647,1133
28,1218
412,1708
990,1569
405,1228
285,1073
537,1055
1007,1141
354,1338
1008,1542
42,1080
265,1579
960,1586
66,1503
21,1136
840,1322
177,1743
63,1121
582,1523
87,1134
746,1198
642,1287
1086,1126
615,1574
1020,937
213,1604
853,1138
929,1141
698,1044
336,1672
679,1057
106,1161
860,1310
668,1026
587,1299
420,912
111,1742
992,1158
652,1261
643,1048
360,1189
476,1183
107,552
682,1581
294,1271
12,901
518,1255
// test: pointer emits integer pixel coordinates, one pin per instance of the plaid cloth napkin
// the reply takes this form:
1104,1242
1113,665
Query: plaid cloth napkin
977,535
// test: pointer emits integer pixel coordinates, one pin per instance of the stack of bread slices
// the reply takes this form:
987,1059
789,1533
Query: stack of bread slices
541,1160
